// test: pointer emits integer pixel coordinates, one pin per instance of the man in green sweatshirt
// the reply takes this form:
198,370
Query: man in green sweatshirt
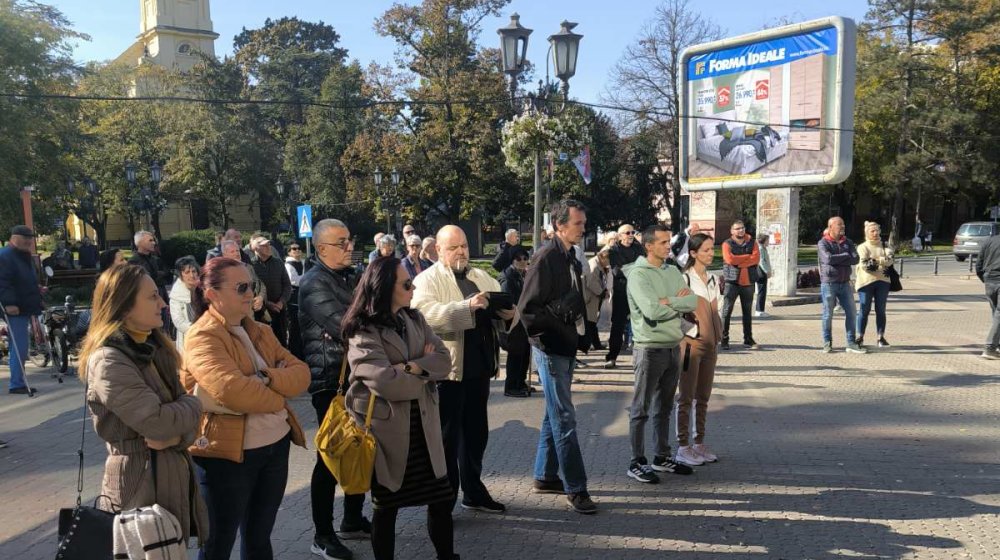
657,296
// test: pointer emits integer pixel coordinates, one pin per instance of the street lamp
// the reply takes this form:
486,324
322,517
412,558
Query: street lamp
387,193
148,195
565,47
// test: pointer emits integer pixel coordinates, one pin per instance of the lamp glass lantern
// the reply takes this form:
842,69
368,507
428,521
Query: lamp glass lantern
155,172
70,186
280,186
91,186
513,45
130,172
395,177
565,48
378,177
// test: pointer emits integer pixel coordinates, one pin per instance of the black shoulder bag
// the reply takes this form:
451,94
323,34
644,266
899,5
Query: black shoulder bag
890,272
85,532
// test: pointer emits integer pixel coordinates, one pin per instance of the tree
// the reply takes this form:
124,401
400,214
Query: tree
35,58
222,151
645,82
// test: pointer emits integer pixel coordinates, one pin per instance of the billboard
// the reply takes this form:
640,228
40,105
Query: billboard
769,109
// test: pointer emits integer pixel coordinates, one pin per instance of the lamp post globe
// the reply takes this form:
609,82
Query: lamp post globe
565,48
155,172
513,49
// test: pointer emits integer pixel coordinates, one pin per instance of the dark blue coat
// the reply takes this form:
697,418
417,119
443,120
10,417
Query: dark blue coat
18,281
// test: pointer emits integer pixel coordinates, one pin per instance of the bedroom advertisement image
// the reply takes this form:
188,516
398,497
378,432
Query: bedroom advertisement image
763,110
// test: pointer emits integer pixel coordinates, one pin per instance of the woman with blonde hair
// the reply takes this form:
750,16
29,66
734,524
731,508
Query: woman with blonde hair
140,409
244,378
872,284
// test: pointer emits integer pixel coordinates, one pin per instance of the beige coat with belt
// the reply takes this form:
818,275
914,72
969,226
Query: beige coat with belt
437,295
372,354
130,403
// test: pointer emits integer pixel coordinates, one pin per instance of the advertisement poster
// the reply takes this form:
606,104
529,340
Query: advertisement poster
768,112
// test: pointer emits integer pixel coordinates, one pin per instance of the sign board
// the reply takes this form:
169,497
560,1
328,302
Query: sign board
769,109
994,212
304,219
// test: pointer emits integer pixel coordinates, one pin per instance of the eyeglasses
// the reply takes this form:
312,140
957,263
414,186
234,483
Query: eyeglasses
408,284
294,249
342,245
242,287
628,232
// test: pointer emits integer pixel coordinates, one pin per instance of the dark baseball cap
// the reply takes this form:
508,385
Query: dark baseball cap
23,231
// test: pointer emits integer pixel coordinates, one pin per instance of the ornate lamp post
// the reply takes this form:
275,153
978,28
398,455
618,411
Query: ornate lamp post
388,194
149,198
565,47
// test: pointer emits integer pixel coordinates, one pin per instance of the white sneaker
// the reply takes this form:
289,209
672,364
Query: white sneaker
761,314
687,455
707,455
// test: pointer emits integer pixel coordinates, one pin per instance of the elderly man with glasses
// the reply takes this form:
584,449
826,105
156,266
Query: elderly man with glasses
623,253
325,292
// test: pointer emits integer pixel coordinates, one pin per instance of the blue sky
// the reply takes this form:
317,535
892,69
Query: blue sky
607,27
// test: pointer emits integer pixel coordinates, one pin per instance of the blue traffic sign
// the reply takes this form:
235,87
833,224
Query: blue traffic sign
304,219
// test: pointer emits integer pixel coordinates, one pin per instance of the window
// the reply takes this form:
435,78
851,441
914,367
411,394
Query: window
184,48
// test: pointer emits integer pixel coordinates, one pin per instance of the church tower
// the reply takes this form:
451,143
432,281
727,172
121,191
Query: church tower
171,32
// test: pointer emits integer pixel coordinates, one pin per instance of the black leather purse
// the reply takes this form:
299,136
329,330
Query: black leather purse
85,532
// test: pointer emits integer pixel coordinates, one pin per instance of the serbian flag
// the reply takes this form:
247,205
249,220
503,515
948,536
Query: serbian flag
582,163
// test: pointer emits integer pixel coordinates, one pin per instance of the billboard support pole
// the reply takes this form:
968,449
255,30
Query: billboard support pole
778,215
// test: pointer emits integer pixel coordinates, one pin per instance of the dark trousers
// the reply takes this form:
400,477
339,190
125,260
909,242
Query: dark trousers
745,293
439,525
761,292
875,293
279,325
518,358
465,428
591,339
324,485
993,296
243,497
619,318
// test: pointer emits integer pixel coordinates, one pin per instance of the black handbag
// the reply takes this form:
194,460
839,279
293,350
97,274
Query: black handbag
85,532
890,272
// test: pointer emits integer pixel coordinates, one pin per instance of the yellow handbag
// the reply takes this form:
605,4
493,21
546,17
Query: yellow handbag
347,448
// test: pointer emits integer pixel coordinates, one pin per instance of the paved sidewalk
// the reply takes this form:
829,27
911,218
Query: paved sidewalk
889,455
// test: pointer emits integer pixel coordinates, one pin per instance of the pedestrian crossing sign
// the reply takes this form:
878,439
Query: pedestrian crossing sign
304,220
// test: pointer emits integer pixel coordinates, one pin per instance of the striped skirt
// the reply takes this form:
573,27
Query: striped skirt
419,487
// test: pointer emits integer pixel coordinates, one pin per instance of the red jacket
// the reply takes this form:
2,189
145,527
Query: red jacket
740,260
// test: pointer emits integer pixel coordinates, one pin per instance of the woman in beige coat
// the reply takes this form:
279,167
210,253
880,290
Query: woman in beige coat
396,356
140,409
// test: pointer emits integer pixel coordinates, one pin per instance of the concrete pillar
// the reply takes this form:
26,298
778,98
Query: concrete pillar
778,215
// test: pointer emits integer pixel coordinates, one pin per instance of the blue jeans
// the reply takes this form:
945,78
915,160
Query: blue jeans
832,293
878,293
558,445
243,496
17,343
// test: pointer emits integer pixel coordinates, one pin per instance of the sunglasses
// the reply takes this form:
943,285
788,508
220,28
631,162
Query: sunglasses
408,284
243,287
628,233
294,249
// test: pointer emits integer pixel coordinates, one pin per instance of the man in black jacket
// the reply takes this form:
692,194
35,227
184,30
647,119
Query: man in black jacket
552,312
518,349
21,299
505,253
623,253
988,270
271,271
325,293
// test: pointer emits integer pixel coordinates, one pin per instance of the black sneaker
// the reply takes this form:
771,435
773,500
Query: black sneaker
489,506
860,340
725,344
23,391
581,503
751,344
548,487
517,393
882,342
668,465
642,473
355,530
330,548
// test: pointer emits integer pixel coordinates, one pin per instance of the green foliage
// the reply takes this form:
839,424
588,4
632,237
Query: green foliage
486,266
195,243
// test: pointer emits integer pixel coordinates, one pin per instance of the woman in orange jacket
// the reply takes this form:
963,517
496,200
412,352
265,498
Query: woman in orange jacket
243,377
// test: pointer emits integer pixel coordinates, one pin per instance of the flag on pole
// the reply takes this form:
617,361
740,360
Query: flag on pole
582,163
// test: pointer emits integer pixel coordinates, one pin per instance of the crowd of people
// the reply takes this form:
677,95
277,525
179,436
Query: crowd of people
413,340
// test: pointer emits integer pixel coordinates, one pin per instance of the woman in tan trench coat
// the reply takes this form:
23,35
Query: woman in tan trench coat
396,356
138,403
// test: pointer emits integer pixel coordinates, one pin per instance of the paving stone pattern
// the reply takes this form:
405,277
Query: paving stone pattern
888,455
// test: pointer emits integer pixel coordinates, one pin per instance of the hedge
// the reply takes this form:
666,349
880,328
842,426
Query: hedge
195,243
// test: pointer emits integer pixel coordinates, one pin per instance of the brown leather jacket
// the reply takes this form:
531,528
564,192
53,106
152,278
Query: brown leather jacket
215,359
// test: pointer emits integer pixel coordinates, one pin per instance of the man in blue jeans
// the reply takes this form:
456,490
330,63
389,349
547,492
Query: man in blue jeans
552,312
21,299
837,254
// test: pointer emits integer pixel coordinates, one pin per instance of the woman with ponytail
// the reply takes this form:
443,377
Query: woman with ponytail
699,352
243,377
139,406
